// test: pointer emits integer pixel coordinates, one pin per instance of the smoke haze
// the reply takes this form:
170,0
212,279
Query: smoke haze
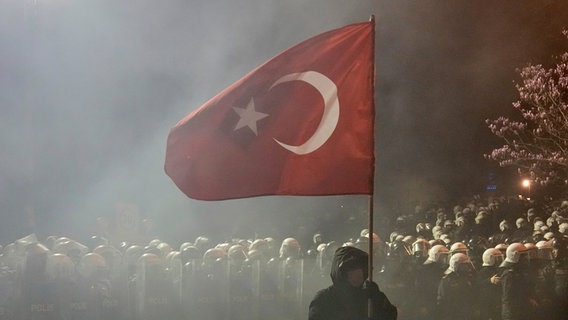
90,89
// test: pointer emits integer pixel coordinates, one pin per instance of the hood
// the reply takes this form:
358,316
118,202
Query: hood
346,258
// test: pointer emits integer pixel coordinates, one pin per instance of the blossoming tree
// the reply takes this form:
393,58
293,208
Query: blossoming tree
538,143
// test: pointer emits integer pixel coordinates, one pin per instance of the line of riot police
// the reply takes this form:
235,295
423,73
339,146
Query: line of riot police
61,278
499,270
496,272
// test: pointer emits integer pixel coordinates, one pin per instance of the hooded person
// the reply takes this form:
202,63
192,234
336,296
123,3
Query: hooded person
348,296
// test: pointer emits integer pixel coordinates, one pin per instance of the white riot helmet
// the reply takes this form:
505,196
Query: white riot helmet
165,249
532,250
290,248
446,238
515,251
550,221
502,247
521,223
563,228
438,254
504,225
237,252
212,256
458,247
549,236
538,224
92,265
185,245
492,257
460,262
545,250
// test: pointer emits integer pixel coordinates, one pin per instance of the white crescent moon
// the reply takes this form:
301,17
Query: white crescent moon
328,122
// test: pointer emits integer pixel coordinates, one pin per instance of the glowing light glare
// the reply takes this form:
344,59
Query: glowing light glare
526,183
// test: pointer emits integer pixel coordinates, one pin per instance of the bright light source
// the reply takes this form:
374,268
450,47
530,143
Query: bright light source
526,183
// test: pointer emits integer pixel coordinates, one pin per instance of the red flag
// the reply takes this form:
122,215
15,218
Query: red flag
299,124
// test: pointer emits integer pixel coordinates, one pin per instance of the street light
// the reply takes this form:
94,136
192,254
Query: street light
527,184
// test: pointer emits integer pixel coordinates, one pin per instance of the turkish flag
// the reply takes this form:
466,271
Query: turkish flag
299,124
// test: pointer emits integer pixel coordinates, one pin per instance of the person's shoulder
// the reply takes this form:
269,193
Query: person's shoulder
322,304
324,295
329,291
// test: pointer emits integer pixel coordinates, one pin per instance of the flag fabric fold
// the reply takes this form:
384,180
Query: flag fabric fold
299,124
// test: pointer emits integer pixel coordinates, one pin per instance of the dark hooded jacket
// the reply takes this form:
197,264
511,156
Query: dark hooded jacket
342,301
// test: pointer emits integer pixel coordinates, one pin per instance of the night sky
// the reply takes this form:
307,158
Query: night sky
90,89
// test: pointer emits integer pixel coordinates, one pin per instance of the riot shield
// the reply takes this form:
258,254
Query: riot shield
240,282
153,293
174,276
268,294
7,293
208,287
38,296
291,281
189,282
129,265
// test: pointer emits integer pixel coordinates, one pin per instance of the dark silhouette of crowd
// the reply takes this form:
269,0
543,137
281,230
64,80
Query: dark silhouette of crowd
495,259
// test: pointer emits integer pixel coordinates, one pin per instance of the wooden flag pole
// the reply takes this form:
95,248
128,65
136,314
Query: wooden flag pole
371,222
372,197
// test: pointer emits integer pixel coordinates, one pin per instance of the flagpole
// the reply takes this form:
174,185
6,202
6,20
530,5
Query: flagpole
372,197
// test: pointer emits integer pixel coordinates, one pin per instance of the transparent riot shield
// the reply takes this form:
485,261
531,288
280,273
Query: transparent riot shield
208,289
240,289
7,292
291,281
174,276
61,271
153,293
38,296
129,265
191,272
112,302
256,274
269,300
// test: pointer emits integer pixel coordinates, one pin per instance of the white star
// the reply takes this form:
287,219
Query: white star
249,117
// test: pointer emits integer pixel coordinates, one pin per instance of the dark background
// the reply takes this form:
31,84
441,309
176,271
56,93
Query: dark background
89,90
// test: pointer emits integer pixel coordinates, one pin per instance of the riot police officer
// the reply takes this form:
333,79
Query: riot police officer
457,290
427,281
518,299
489,286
